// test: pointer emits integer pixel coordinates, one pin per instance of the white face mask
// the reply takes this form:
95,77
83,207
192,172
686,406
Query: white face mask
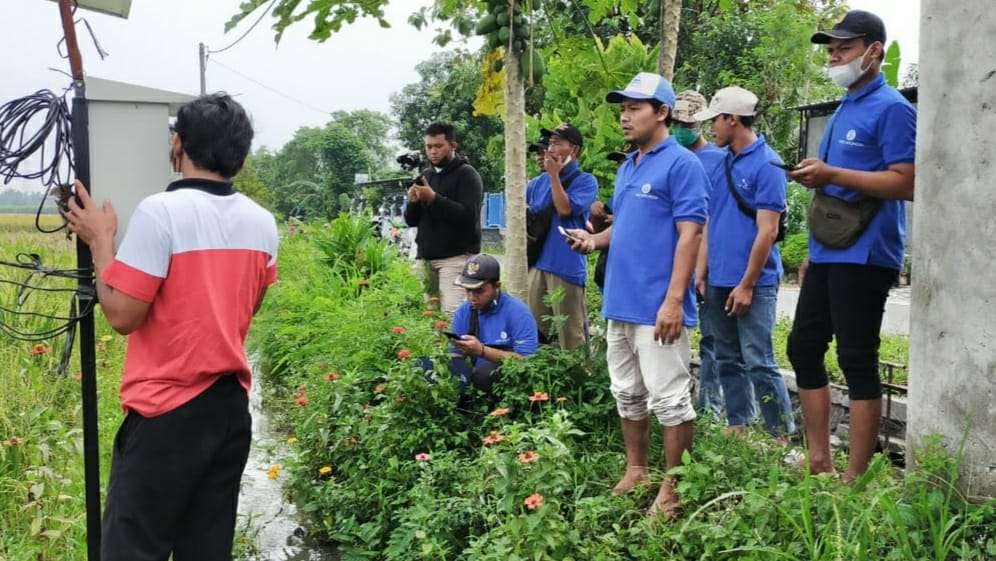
845,75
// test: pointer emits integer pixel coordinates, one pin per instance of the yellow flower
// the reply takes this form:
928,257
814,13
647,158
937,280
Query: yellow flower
106,338
274,472
325,470
292,440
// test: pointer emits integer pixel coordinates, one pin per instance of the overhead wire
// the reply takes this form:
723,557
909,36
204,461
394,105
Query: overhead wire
248,31
271,89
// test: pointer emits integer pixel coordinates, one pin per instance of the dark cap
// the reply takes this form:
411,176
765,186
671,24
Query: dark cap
857,23
478,270
567,131
542,143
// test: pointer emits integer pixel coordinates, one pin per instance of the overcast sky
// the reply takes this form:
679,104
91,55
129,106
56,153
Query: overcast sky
355,69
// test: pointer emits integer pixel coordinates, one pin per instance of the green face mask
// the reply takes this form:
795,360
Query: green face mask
685,137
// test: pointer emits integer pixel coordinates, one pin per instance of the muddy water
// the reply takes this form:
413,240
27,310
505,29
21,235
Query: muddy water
264,511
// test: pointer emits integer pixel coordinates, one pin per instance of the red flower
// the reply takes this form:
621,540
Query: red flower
332,376
441,325
539,396
422,457
397,330
528,457
301,399
493,438
39,349
499,412
533,501
404,354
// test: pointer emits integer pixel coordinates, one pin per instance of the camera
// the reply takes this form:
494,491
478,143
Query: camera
411,161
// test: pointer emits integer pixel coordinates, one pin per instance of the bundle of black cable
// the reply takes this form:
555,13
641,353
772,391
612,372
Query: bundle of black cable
36,130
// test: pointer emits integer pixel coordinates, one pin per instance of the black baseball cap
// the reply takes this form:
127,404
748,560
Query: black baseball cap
542,143
856,23
478,270
567,131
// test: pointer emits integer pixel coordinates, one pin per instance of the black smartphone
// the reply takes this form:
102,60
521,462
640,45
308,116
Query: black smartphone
451,335
786,167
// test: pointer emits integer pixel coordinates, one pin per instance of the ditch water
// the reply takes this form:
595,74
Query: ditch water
265,514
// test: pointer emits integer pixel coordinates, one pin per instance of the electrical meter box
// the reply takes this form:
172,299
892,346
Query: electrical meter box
129,142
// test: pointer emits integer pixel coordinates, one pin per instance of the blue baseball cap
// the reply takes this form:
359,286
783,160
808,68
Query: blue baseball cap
645,85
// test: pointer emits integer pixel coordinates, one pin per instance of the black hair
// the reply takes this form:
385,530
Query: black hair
747,120
215,132
444,129
656,105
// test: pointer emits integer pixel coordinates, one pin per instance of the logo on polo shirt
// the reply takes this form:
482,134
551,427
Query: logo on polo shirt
645,190
504,335
849,139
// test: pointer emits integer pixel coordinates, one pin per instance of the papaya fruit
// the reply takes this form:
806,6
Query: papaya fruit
504,34
488,24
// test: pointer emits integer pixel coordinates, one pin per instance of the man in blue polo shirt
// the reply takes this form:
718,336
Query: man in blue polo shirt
744,266
659,205
688,132
568,192
492,326
867,155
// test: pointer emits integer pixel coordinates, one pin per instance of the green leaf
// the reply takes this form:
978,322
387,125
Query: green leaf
890,68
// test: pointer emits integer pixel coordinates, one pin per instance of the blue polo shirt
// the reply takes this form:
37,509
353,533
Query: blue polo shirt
731,232
508,324
667,186
556,256
872,129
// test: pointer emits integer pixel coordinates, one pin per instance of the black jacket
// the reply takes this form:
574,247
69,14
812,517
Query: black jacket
451,224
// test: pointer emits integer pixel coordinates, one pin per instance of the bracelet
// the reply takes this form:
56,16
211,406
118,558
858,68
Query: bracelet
481,354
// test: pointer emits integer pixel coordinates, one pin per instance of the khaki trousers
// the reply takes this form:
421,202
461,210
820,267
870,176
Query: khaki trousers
572,306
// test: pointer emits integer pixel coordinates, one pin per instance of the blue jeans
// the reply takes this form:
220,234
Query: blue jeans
710,390
745,360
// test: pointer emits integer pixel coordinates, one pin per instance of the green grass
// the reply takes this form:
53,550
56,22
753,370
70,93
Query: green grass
41,477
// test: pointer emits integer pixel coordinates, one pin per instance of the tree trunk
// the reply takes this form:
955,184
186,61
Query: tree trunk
670,20
514,269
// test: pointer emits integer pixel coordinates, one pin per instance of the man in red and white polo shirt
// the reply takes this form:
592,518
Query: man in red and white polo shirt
191,271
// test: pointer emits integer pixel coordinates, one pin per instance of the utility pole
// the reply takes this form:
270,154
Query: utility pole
202,50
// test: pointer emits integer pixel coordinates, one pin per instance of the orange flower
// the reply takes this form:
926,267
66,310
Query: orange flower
363,282
528,457
500,412
428,313
301,399
39,349
404,354
274,472
539,396
379,388
332,376
78,376
493,438
401,398
13,441
533,501
422,457
352,441
397,330
441,325
561,399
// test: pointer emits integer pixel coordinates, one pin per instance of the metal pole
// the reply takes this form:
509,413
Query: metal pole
88,355
203,58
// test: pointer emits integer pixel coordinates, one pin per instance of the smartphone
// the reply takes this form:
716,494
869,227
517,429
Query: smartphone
452,335
786,167
567,234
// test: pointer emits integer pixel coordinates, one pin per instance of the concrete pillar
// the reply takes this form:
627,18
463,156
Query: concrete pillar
953,316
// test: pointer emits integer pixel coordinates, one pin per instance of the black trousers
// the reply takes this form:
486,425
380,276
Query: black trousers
174,484
846,302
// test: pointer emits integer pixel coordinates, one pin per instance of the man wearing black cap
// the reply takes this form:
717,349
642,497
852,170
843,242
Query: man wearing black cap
864,173
539,148
492,326
564,193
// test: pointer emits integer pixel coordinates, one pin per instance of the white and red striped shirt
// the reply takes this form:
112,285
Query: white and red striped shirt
202,256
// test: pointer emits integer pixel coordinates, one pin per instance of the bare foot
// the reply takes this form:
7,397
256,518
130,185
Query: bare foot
666,503
635,475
